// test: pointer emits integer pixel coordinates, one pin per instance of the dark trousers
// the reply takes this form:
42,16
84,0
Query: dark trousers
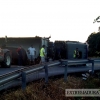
20,60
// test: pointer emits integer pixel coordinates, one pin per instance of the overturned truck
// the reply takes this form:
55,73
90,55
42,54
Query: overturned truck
55,50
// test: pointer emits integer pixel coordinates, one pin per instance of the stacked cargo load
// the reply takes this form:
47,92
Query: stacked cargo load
60,49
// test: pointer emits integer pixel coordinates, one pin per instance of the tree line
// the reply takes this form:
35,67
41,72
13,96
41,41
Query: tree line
94,44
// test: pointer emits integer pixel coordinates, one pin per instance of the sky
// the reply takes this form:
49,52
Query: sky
61,19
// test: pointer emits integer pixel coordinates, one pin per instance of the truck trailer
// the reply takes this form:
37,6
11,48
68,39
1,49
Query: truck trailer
10,45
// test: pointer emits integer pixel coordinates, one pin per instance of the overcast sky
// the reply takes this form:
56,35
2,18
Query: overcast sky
62,19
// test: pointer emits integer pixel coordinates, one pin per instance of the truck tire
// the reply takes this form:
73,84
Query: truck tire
7,60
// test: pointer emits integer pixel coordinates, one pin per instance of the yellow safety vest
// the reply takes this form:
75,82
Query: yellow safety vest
42,52
74,55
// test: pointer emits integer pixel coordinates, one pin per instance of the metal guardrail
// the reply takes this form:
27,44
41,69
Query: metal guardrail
75,62
22,74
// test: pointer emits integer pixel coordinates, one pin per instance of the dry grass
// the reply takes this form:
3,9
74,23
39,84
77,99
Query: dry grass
55,90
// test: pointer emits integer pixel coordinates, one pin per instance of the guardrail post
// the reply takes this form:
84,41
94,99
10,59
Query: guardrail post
92,67
65,75
23,80
46,73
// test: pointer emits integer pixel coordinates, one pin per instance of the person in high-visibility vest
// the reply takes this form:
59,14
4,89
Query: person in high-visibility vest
76,53
42,54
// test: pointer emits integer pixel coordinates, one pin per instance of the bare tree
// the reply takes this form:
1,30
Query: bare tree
96,20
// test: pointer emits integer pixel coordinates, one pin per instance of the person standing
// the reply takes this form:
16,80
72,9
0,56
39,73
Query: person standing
76,53
20,56
42,54
32,54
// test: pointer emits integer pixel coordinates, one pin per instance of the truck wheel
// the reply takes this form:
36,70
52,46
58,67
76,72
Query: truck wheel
7,60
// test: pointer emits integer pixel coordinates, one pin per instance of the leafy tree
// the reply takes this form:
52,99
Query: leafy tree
94,44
